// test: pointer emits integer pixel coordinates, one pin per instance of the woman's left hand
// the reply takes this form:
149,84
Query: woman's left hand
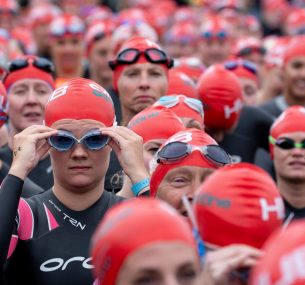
128,147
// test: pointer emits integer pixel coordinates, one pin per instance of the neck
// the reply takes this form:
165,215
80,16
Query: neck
78,201
12,131
293,193
65,73
101,81
127,115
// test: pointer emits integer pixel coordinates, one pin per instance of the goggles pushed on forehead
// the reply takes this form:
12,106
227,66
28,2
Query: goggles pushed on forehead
59,29
208,35
175,151
132,55
249,50
248,65
171,101
64,140
286,143
39,62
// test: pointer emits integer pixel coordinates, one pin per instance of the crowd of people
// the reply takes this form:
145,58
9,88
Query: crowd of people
147,142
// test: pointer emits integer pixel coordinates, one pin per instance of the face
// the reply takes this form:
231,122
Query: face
150,148
214,51
79,169
290,163
140,85
67,52
182,180
181,49
294,78
27,99
250,89
99,56
162,263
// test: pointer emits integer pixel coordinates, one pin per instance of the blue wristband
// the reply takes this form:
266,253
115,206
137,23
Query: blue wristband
139,186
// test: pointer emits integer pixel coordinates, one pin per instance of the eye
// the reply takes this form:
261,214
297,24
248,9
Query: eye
153,150
19,91
180,181
146,280
187,274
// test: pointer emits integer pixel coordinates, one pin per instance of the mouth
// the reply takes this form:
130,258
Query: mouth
80,167
32,115
297,163
145,98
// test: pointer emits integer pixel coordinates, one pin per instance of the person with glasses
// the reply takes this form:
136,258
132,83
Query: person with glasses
236,209
46,238
155,124
144,241
140,77
29,83
215,41
182,163
287,149
247,73
66,35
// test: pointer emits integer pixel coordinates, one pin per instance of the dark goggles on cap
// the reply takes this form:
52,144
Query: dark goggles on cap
176,151
249,50
132,55
286,143
248,65
64,140
39,62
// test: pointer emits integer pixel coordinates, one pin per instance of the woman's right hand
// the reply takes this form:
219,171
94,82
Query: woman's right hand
29,146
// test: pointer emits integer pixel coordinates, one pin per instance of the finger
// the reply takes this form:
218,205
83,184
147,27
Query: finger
122,131
43,149
116,148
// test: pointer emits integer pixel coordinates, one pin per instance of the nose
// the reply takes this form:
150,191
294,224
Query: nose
144,81
32,97
193,188
298,152
79,151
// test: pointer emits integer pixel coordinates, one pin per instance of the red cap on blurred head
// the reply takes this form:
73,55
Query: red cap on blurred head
43,14
290,121
66,25
221,94
180,83
248,45
191,66
118,235
190,136
214,27
182,32
29,71
243,201
141,44
156,122
283,261
295,22
98,30
80,99
183,106
295,49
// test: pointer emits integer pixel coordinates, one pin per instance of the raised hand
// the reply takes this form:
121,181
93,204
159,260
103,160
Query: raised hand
29,146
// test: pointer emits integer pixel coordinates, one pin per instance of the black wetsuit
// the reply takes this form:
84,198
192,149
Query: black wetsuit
250,134
293,213
47,243
41,175
275,106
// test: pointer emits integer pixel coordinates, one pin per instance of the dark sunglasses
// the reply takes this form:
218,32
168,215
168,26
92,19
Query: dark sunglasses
64,140
132,55
249,50
248,65
176,151
286,143
39,62
219,35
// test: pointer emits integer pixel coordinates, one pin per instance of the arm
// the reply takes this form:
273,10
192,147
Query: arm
28,147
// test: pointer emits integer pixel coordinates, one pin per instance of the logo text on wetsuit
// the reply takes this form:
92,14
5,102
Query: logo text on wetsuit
58,263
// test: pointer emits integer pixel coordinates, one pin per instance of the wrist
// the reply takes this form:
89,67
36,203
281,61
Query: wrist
140,186
18,171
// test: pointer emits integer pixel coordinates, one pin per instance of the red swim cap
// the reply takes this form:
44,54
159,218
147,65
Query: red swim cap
181,83
290,121
283,261
3,105
243,201
80,99
295,49
29,71
130,226
156,122
221,93
190,136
